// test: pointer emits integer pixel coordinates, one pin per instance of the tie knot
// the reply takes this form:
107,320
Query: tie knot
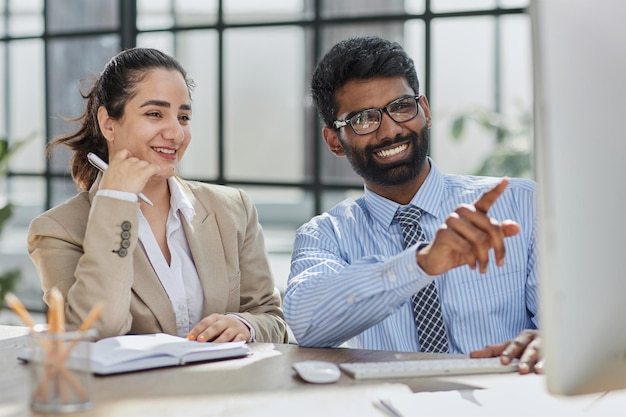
408,216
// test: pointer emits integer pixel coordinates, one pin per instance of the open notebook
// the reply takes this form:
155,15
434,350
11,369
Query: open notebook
129,353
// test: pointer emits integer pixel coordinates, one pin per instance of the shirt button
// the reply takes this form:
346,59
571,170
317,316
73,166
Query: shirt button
125,234
350,300
126,225
181,307
122,252
392,278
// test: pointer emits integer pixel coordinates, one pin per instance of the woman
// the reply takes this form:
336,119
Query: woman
194,263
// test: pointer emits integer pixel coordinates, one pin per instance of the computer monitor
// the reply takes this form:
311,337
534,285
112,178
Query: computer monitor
579,49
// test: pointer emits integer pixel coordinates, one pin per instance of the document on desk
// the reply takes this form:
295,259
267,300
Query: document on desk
130,353
514,395
147,351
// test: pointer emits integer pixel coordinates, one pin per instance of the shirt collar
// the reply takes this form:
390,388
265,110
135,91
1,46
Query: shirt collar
427,198
179,200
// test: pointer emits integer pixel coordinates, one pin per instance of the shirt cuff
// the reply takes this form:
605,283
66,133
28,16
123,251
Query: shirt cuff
120,195
252,333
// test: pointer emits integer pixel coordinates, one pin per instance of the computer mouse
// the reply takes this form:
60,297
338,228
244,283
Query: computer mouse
317,372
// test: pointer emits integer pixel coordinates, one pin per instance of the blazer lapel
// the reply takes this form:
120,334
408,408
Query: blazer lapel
206,247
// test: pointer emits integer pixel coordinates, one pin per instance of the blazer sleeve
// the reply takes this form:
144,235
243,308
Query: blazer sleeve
77,248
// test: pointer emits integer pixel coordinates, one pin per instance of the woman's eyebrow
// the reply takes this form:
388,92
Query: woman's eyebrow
162,103
159,103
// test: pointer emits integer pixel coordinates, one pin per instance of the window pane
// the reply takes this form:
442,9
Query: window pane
194,12
281,211
73,64
26,111
27,196
517,93
414,6
440,6
264,101
510,4
154,14
160,14
262,11
3,18
74,15
332,198
62,189
463,81
334,8
26,17
415,44
5,102
200,160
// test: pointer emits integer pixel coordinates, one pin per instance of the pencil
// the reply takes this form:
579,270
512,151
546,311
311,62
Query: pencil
58,310
92,316
18,308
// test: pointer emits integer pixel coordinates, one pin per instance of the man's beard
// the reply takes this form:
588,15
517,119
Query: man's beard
366,167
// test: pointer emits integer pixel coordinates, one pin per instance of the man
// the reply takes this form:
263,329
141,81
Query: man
359,272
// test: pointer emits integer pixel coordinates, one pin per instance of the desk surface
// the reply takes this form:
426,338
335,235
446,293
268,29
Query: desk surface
237,387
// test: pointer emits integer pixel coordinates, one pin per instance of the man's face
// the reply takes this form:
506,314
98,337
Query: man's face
395,153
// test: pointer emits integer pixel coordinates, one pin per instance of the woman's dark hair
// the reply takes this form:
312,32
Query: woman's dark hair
115,86
358,58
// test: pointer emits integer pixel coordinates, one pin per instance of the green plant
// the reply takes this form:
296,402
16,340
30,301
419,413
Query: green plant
512,152
8,279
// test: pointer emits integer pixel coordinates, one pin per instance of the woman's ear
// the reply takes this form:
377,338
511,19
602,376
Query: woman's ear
106,124
331,137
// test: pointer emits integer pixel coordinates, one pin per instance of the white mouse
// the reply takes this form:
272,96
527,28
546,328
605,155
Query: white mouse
317,372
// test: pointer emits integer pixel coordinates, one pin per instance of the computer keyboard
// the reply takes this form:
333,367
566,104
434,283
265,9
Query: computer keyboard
426,367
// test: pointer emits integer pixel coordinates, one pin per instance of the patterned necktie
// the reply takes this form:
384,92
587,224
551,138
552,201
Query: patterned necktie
430,328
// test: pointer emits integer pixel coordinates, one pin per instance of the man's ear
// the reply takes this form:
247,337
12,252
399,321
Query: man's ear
423,100
331,137
106,124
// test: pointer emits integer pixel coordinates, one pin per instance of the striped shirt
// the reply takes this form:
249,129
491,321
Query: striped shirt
351,279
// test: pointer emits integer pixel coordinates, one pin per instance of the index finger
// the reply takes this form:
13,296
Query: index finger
485,201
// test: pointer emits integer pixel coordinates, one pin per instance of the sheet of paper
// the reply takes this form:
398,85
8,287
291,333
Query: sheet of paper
523,395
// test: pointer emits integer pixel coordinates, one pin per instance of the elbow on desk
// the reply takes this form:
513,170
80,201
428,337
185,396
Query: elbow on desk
312,337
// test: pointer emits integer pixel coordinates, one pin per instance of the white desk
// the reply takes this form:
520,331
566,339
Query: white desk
265,385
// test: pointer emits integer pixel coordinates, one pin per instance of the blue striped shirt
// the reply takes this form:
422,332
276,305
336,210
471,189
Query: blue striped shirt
351,279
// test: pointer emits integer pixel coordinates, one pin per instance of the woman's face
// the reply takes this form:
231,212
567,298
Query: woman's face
155,126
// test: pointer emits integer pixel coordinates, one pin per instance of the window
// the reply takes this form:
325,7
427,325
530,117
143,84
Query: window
254,124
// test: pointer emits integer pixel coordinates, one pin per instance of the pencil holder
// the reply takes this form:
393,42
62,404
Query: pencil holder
60,371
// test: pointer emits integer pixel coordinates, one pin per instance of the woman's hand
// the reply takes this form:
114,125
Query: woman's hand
220,328
127,173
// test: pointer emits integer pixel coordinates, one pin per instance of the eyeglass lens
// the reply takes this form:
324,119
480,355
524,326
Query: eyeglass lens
400,110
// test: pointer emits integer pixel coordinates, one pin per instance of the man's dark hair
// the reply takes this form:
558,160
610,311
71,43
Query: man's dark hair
358,58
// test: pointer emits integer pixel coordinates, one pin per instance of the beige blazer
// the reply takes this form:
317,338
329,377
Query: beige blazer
81,248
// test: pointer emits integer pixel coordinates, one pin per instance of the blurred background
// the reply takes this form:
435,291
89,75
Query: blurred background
254,125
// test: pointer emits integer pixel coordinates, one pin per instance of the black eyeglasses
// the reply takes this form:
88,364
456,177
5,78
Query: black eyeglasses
368,121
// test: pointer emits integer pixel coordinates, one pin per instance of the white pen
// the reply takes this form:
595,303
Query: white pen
102,166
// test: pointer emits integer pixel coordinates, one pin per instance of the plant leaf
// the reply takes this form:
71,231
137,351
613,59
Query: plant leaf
457,127
8,281
5,214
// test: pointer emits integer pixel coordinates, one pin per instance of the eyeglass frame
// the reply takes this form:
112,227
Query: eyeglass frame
338,124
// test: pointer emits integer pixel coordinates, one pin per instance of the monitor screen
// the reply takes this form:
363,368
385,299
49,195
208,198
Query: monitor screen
579,49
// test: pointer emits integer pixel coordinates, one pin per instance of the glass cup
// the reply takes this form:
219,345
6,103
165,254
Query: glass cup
60,371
